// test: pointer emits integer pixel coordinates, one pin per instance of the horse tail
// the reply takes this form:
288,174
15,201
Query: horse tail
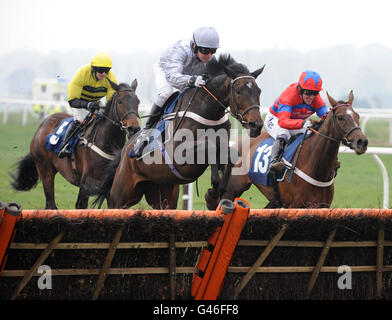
102,191
26,175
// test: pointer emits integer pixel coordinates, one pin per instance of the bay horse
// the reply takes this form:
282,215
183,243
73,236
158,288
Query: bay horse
229,84
103,134
317,160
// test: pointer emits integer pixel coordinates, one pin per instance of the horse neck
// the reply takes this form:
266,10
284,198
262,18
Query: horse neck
108,134
320,154
208,106
200,102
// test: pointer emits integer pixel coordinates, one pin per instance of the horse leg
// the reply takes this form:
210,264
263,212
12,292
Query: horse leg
82,201
225,178
162,196
212,195
172,196
123,193
235,187
47,173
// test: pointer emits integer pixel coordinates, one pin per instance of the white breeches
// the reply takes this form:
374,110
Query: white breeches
164,88
275,131
79,114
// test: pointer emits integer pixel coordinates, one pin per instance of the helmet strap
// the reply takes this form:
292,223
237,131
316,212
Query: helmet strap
94,73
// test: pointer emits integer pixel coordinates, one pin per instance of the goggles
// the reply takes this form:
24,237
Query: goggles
206,51
310,92
102,70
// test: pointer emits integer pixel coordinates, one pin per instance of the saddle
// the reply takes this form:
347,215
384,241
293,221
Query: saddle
261,160
161,127
54,141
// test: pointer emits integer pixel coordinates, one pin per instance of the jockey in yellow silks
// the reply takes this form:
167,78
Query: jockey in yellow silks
87,87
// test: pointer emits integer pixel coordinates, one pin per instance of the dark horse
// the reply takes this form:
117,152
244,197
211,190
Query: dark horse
198,110
317,159
103,134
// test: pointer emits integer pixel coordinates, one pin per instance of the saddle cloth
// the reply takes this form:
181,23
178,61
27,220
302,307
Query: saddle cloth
161,126
261,159
54,141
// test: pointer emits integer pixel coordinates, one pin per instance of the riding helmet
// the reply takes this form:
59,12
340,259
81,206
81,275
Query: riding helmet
101,59
206,37
310,80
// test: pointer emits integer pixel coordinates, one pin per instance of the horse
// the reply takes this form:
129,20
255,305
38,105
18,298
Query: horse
311,185
229,84
104,133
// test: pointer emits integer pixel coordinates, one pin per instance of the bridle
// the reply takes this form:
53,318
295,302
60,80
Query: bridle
119,122
236,114
337,127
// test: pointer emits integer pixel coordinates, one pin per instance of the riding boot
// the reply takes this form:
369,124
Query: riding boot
142,141
65,150
276,155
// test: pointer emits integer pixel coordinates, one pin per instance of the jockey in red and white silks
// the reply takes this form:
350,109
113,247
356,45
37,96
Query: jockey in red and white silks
287,116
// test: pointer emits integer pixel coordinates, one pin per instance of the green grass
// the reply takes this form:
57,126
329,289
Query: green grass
358,184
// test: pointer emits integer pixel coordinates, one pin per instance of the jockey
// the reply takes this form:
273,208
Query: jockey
287,116
85,90
181,65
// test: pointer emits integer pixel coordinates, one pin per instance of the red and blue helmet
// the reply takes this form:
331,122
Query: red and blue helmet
310,80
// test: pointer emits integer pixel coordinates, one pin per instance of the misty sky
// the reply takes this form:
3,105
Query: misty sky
147,25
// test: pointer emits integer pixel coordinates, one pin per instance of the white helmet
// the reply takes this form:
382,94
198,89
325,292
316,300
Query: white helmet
206,37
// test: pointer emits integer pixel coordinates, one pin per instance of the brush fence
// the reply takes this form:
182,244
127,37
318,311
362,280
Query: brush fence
128,254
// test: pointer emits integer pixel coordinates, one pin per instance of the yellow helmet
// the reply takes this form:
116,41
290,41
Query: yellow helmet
101,59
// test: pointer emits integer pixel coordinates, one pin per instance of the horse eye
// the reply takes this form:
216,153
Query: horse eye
119,102
238,91
340,118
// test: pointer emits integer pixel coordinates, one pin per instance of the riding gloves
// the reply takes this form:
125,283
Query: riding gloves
307,124
196,81
92,106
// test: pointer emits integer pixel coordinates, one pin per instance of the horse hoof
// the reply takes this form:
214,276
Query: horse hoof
212,199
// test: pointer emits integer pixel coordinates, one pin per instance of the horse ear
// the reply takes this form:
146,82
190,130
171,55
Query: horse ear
257,72
113,85
350,98
331,100
134,84
229,72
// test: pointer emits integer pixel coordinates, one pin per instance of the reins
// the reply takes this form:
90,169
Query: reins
119,122
335,125
238,115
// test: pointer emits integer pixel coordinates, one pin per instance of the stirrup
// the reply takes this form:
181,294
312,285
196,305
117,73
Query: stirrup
65,152
140,144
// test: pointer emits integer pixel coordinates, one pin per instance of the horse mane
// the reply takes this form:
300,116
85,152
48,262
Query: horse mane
214,66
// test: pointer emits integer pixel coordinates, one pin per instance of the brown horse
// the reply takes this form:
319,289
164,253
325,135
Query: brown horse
317,160
104,133
158,174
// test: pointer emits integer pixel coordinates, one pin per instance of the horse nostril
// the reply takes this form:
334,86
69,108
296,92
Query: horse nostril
362,143
365,143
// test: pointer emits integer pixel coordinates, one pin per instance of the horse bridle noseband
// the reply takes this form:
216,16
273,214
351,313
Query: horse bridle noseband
119,121
335,125
238,115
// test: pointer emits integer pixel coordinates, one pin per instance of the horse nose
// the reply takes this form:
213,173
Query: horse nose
255,128
362,143
132,130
